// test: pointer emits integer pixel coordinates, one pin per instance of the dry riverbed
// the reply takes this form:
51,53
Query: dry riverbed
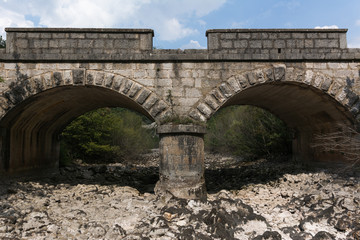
258,200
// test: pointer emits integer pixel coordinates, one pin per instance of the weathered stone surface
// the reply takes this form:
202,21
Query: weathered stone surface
306,77
181,161
78,76
204,109
142,96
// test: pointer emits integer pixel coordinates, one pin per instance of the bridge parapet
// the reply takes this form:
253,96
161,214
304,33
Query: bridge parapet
90,41
275,40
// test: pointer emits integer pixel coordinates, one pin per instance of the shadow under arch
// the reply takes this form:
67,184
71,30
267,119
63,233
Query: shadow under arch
304,108
30,129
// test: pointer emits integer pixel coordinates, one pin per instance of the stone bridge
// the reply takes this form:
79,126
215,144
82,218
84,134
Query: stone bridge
48,77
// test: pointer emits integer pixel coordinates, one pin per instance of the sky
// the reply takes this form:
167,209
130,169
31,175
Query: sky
183,23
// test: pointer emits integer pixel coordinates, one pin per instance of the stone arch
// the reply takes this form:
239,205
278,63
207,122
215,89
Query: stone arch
310,102
34,111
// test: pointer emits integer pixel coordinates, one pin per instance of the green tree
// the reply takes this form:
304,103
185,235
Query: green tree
249,132
2,42
107,135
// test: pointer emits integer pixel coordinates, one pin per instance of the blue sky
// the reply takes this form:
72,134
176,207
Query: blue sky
183,23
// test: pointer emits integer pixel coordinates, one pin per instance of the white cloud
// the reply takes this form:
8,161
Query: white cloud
358,22
171,20
193,45
172,30
327,27
238,24
202,22
12,19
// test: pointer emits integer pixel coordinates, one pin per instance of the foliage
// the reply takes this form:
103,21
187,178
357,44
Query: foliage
106,135
2,42
249,132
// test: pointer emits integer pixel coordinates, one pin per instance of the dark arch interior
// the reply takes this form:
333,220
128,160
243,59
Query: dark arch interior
305,109
31,129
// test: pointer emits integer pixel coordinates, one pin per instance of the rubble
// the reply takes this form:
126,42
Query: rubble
246,200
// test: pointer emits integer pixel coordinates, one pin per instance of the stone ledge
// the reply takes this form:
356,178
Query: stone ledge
274,30
181,128
81,30
200,56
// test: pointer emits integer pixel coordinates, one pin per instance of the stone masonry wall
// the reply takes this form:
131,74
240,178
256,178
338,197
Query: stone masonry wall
77,41
190,83
276,41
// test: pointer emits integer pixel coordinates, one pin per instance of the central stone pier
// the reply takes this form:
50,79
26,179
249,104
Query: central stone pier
181,161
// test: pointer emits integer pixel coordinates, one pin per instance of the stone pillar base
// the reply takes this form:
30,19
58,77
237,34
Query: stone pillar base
181,161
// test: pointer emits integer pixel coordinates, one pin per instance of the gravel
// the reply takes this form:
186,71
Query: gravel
247,200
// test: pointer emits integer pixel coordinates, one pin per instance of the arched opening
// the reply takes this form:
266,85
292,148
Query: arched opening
30,131
303,108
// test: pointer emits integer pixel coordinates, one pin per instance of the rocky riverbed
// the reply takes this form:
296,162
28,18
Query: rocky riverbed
246,200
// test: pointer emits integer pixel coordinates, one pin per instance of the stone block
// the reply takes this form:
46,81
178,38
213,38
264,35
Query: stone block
42,43
33,35
298,35
146,42
234,84
291,43
326,84
127,86
68,43
99,43
213,41
300,43
204,109
77,35
60,35
99,78
243,81
283,35
78,76
196,115
326,43
159,107
46,35
192,92
279,73
211,102
22,43
117,82
279,44
150,101
134,90
268,43
57,78
143,96
187,82
255,44
217,95
226,44
109,78
91,35
309,43
225,90
244,35
228,36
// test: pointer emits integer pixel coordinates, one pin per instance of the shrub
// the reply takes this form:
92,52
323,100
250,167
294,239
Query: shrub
107,135
249,132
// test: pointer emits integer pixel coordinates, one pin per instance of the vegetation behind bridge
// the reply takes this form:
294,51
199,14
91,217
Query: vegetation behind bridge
116,134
